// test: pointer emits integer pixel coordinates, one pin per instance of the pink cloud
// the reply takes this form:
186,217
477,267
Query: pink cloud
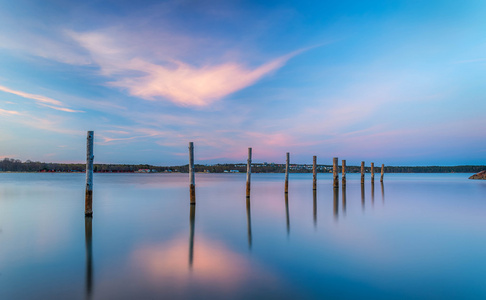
177,81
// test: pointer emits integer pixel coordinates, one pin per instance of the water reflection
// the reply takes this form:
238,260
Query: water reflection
344,199
314,195
248,220
362,197
192,217
88,230
287,212
372,193
336,202
382,193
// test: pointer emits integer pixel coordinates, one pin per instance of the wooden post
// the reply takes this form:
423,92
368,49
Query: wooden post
248,174
192,180
335,172
343,172
88,203
372,173
344,199
314,172
362,172
382,172
287,173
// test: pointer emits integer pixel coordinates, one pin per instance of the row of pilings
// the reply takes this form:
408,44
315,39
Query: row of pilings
192,181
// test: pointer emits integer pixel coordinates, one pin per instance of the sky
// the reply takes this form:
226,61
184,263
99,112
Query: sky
393,82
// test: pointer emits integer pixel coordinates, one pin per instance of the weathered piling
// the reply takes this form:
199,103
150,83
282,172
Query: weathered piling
314,172
88,232
192,180
362,172
382,172
192,221
287,166
382,193
248,220
88,202
343,172
372,173
335,172
248,174
372,193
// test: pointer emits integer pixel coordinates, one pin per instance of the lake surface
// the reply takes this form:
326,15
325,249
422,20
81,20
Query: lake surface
418,236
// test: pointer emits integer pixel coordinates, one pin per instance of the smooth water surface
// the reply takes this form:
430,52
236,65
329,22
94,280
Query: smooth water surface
417,236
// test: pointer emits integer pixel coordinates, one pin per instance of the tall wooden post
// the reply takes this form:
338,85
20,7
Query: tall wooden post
372,173
314,197
335,172
287,173
344,199
336,203
192,180
362,197
287,212
362,172
248,174
382,172
343,172
314,172
88,203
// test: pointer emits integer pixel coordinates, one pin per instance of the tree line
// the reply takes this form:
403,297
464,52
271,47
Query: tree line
16,165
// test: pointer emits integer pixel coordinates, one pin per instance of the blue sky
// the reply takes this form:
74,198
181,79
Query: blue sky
394,82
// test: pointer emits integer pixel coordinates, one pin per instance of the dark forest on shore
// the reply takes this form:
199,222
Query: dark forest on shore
15,165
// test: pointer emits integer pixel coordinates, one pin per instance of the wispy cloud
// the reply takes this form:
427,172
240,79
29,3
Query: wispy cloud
42,100
180,82
9,112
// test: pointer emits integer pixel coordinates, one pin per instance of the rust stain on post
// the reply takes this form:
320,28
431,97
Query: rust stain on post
362,172
192,180
382,172
343,171
88,203
314,172
248,174
287,164
335,172
372,173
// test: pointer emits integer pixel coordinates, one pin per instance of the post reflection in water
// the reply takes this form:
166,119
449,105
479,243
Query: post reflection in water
314,194
192,217
362,197
248,219
88,232
344,200
373,193
287,212
382,193
336,202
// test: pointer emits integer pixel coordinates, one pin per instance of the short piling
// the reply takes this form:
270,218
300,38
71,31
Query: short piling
314,172
88,203
192,180
372,173
362,172
248,174
382,172
287,165
335,172
343,172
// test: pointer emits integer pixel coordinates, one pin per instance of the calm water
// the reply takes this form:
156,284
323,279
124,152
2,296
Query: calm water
418,236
